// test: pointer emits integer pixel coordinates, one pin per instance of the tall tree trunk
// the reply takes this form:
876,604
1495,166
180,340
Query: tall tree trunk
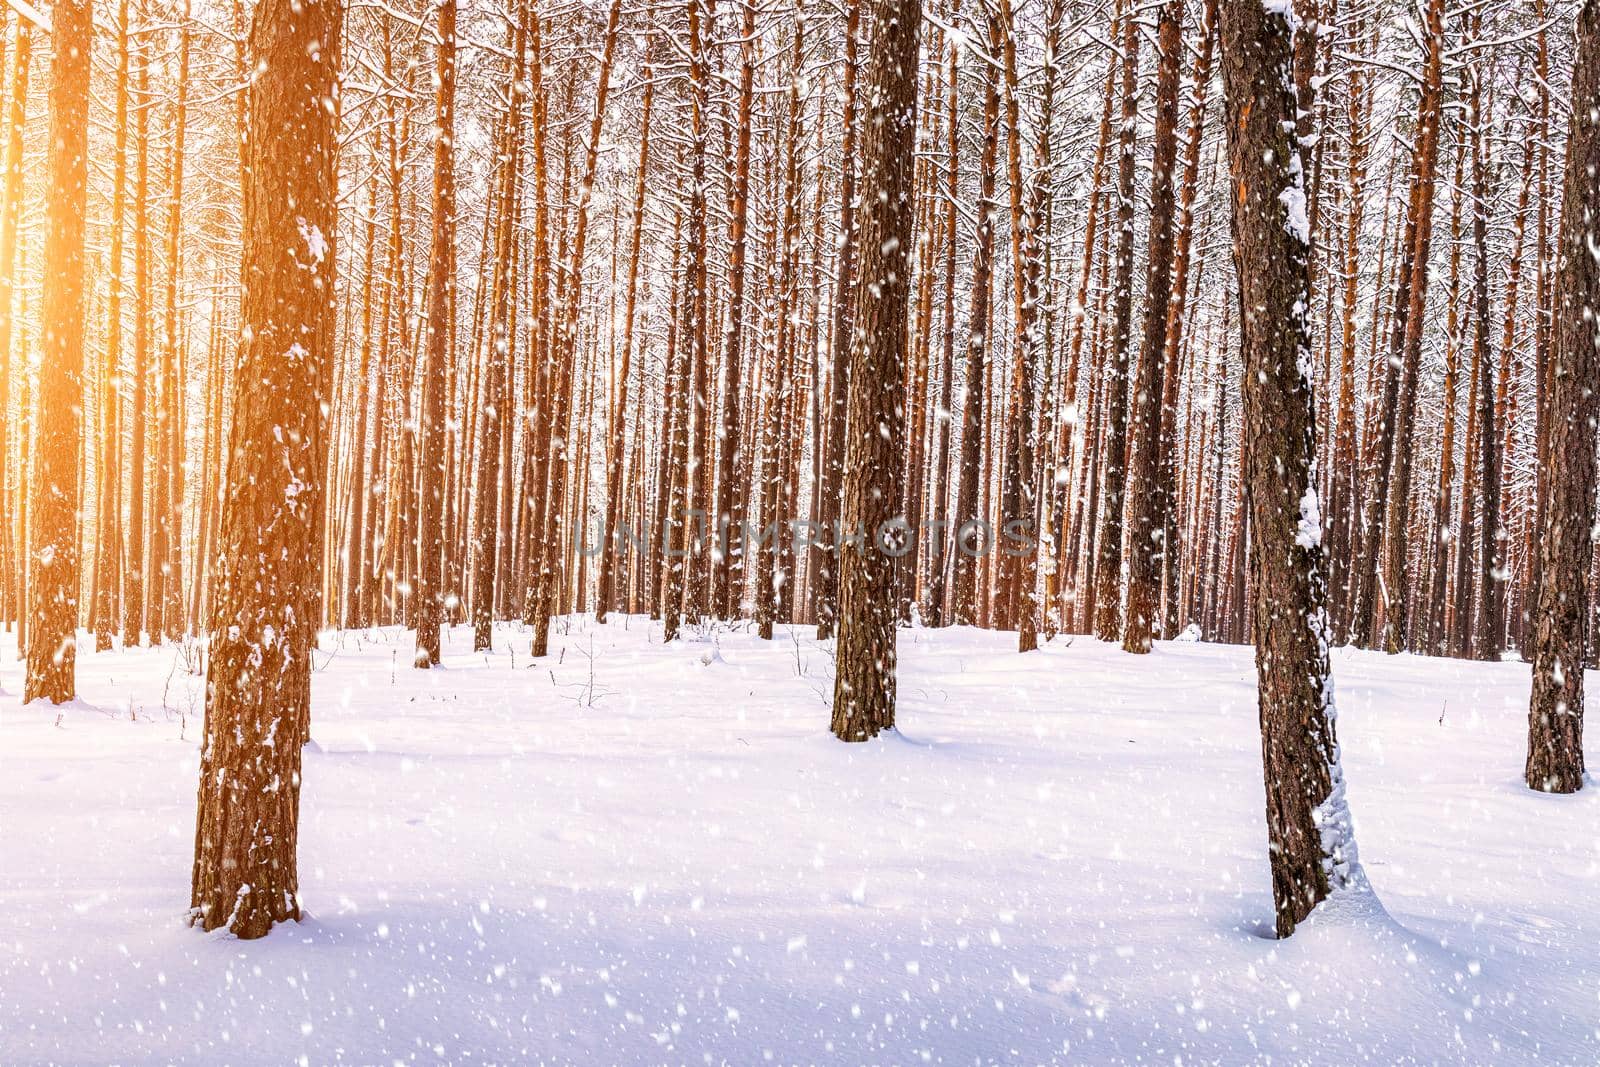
134,591
770,579
939,505
727,553
258,686
436,351
1108,541
1567,447
56,489
1475,637
608,554
825,593
970,539
174,399
1148,506
1311,842
1178,313
1396,567
1344,506
108,528
11,494
358,534
864,684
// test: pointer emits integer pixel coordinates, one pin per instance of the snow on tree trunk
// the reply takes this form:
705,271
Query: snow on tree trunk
874,473
436,355
56,488
1311,842
1567,462
262,629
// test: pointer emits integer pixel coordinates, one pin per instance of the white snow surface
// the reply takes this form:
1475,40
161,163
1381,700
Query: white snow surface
631,853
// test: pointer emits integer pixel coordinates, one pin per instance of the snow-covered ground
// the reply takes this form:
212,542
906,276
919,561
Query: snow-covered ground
633,853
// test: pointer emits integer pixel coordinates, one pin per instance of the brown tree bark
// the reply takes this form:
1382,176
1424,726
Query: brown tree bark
939,504
1178,314
770,578
56,488
825,588
134,591
727,552
436,351
1148,505
608,552
1108,539
1474,634
864,683
258,688
1396,578
1567,447
358,533
1311,843
11,493
108,527
1344,507
970,541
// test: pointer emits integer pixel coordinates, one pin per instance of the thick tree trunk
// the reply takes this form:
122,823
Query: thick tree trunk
864,685
1311,843
1567,447
262,630
56,489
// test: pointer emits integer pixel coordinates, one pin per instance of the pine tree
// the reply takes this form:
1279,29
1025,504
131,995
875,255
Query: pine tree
436,354
56,487
1567,446
1147,504
864,685
262,628
1311,843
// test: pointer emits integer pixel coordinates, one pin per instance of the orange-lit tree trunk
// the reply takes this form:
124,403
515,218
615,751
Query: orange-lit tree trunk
56,488
258,690
436,350
108,527
168,572
11,494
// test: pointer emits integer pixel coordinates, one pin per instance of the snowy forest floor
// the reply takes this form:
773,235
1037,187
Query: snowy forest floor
634,853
